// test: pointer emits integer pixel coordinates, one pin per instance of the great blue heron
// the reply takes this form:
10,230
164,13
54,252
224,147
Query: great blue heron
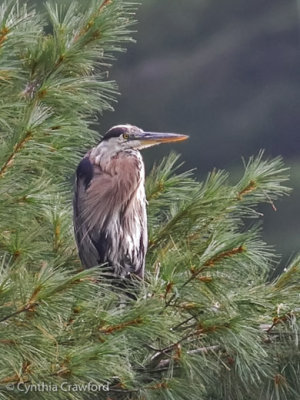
110,219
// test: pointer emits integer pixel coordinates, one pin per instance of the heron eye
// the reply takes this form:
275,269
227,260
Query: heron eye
125,136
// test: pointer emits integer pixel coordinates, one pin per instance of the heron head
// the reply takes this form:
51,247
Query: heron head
122,137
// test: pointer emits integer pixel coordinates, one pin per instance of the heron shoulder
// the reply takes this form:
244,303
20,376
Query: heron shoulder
85,171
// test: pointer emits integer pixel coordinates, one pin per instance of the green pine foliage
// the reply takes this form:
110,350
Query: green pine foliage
208,322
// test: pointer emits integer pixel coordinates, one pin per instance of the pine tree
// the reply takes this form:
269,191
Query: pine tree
208,322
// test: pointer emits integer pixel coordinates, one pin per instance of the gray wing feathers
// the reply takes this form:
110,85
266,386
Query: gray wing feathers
87,250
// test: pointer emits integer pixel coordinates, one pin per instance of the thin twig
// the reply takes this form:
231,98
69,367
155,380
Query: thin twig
185,321
210,263
18,146
201,350
28,307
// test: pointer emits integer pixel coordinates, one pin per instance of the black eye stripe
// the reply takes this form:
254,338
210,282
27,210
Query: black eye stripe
114,132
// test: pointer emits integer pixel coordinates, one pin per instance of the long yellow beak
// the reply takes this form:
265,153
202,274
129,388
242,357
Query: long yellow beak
149,138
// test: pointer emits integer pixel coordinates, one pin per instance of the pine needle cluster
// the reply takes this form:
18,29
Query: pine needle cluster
208,322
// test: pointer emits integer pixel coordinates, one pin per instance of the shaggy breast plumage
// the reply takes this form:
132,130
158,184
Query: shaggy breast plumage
111,216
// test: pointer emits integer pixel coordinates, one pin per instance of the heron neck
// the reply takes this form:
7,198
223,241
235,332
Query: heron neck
103,154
